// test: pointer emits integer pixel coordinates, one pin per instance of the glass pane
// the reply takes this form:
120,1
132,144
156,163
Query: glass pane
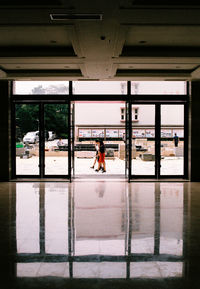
56,219
56,139
143,218
158,87
99,219
171,219
99,87
27,218
40,87
172,139
27,139
143,140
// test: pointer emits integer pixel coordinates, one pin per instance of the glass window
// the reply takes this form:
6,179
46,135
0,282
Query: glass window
40,87
98,133
84,133
158,87
99,87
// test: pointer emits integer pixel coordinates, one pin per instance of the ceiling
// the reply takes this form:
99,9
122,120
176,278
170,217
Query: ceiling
100,40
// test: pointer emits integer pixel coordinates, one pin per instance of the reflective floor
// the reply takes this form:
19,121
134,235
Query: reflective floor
100,234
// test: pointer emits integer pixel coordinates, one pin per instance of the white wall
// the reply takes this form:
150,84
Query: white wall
108,113
105,113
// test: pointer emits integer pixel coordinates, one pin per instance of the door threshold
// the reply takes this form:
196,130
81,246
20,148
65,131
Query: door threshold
159,180
40,180
100,177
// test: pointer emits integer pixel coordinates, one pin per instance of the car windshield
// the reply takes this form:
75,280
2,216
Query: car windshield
30,134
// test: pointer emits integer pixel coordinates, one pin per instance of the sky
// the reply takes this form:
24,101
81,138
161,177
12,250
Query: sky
109,87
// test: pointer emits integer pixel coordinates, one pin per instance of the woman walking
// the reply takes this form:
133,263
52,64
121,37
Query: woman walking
101,157
97,144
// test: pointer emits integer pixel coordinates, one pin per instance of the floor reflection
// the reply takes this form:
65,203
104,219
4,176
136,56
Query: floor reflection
100,230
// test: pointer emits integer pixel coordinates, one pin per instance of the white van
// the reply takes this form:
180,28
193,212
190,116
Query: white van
31,137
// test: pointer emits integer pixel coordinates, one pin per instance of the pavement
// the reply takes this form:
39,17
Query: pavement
59,166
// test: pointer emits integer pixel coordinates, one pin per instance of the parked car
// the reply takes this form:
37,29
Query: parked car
52,135
31,137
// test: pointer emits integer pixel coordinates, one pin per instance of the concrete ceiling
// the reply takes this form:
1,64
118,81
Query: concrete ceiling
126,40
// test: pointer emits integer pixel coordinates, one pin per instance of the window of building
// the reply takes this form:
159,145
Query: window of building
135,114
122,117
40,87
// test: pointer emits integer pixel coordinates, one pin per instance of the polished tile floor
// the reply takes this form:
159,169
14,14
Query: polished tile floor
100,234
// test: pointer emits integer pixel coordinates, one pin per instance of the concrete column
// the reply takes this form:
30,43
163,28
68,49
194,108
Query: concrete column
194,132
5,135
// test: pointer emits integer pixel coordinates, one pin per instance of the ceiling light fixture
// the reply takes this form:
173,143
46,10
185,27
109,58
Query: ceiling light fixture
64,17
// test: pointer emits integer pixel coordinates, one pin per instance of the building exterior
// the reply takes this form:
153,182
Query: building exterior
106,120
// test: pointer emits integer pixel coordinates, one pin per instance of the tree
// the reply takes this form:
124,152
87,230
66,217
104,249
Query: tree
55,118
51,89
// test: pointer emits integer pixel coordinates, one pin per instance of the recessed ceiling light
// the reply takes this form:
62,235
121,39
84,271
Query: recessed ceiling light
72,16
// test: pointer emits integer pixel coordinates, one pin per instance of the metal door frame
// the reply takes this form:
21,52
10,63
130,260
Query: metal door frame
41,103
157,101
128,98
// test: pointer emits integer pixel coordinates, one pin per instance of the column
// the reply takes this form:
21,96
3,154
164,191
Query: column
5,131
194,132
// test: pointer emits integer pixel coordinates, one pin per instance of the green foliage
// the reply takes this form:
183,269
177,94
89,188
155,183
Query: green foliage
27,117
55,117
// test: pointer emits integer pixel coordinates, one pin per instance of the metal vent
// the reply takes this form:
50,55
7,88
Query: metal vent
64,17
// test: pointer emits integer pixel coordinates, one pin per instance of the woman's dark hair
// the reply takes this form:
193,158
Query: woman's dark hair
101,142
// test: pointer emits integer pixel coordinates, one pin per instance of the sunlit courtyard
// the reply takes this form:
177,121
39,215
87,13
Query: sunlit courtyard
59,166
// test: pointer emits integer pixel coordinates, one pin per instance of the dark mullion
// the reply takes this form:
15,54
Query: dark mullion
13,140
129,129
157,220
69,142
42,218
13,228
70,234
185,225
41,140
186,136
130,226
157,140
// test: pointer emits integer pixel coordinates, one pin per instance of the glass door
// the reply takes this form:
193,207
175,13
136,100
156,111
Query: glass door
56,131
41,139
143,140
27,140
172,140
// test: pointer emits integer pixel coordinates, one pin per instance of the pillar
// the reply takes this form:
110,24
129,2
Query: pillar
5,131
